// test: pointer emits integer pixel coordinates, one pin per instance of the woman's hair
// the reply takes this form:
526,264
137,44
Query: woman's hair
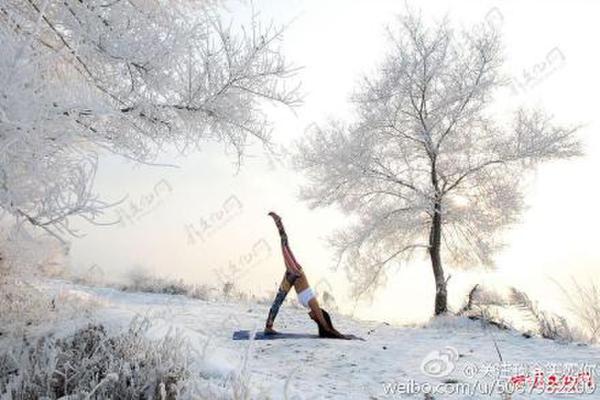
323,332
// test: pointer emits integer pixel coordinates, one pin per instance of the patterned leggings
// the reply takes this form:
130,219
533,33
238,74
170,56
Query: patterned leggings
286,285
293,271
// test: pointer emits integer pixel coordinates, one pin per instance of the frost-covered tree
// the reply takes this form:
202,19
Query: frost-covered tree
129,77
428,164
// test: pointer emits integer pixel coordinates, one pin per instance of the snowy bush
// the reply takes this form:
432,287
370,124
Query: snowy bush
93,364
21,306
140,280
24,255
583,302
25,307
516,309
550,326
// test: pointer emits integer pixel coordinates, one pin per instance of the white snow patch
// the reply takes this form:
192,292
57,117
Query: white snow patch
327,368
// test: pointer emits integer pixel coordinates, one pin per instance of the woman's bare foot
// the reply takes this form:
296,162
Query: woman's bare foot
274,215
270,331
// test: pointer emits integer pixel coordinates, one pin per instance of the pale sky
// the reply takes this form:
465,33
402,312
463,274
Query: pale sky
335,41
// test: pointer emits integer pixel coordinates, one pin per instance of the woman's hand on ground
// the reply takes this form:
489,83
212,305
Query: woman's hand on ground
339,335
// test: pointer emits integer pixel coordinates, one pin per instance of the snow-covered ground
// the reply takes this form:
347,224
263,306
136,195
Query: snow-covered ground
452,353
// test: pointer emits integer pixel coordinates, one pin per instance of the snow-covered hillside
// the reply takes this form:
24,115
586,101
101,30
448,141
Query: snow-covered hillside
452,353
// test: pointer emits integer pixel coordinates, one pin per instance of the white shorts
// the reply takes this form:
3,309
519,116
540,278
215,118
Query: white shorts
305,296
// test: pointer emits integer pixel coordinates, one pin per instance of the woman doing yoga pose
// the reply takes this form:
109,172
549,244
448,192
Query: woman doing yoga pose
295,276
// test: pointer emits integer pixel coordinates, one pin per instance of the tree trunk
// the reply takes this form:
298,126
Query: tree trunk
441,296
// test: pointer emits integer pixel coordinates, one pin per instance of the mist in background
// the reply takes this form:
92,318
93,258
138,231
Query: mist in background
206,222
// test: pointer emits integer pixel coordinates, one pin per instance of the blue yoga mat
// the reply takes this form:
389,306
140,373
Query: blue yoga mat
259,335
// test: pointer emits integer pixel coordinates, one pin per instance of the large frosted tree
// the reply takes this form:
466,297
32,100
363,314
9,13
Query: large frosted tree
129,77
428,165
